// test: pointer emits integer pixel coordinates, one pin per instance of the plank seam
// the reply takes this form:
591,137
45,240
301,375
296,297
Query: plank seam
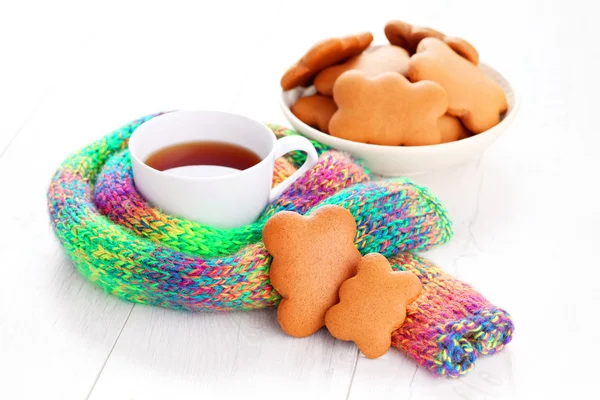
110,352
353,373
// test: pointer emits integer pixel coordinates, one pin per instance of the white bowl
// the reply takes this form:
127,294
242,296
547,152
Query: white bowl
410,160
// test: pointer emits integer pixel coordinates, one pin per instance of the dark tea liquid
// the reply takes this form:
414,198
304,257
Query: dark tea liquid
203,153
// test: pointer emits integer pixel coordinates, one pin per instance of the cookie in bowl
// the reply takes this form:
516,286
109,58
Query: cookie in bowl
315,111
387,109
464,104
323,54
377,60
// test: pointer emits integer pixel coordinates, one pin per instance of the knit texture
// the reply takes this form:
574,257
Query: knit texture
139,253
116,197
450,324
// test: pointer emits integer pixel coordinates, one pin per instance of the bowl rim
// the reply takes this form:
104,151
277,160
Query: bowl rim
496,130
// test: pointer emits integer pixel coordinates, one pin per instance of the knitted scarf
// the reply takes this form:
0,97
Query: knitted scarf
139,253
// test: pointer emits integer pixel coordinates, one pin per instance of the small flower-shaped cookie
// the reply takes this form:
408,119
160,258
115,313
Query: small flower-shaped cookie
387,109
312,256
372,305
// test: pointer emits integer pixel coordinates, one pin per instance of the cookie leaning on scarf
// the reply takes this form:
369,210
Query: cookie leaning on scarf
448,324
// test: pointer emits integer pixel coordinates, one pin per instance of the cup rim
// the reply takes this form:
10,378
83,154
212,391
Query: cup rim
201,178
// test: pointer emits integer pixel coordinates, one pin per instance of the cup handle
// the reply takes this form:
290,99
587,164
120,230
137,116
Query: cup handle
292,143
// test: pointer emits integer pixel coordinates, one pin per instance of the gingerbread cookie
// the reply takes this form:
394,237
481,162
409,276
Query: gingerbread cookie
463,48
322,55
405,35
400,33
312,256
372,305
452,129
371,62
387,109
472,96
315,110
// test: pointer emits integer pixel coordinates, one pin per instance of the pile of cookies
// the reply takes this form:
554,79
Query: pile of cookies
423,88
324,281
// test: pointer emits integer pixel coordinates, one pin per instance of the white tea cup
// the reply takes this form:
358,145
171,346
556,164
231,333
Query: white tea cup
218,196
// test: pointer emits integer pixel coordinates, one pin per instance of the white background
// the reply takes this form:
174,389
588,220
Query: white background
526,214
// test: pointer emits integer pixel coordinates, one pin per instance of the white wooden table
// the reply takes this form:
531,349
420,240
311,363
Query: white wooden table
526,214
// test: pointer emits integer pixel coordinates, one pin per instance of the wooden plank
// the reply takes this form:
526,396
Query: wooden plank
56,330
166,353
386,377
